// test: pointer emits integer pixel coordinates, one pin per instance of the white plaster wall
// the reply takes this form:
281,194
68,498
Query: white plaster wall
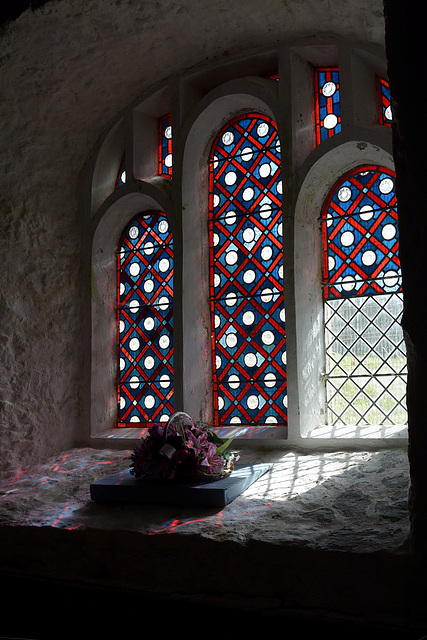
67,69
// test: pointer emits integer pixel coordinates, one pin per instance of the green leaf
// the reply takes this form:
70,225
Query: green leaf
220,450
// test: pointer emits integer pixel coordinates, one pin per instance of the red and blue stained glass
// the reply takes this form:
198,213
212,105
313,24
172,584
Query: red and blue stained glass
121,176
385,115
246,274
145,321
327,103
360,235
165,147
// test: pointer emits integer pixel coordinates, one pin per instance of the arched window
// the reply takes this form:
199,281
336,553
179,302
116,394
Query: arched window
246,274
144,321
365,355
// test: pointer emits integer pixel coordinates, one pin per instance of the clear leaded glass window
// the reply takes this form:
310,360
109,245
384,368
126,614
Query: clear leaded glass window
365,353
327,103
246,274
165,147
145,321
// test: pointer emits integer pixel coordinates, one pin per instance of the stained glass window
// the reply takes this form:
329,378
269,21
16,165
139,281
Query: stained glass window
327,103
121,176
365,352
145,321
385,115
246,274
165,147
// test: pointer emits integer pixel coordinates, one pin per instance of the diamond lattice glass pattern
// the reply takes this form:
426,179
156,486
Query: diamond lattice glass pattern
365,351
165,147
145,317
327,103
246,274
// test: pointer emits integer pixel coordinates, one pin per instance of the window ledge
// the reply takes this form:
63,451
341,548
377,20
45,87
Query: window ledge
308,509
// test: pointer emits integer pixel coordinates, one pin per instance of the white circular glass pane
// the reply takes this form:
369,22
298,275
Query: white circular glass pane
391,278
149,323
163,226
231,257
366,212
248,194
252,402
248,317
164,342
133,232
247,154
344,194
331,121
134,344
249,276
329,89
248,235
133,306
230,217
230,299
134,269
262,129
233,382
266,253
347,238
163,302
149,402
228,138
164,265
270,380
386,185
266,295
265,211
230,178
231,340
149,362
250,360
369,258
165,381
264,170
388,232
348,283
134,382
267,337
148,286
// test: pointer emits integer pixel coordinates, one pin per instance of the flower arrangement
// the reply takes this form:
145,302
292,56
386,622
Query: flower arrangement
182,449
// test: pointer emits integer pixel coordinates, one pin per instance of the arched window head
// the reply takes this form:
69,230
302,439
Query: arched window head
365,354
246,274
145,321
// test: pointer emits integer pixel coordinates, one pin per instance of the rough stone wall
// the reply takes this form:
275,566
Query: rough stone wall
67,69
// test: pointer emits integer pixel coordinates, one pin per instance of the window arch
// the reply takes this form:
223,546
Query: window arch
145,321
246,274
364,347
